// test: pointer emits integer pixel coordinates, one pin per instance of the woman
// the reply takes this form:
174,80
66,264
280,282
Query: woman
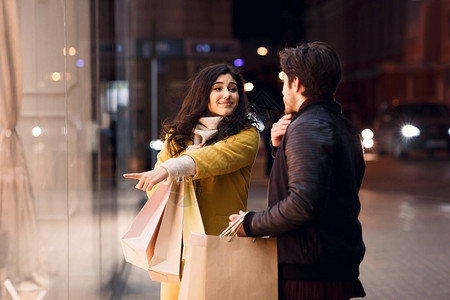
212,139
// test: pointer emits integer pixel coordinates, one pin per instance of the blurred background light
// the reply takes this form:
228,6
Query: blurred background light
281,75
56,76
262,51
80,63
36,131
367,136
410,131
203,48
72,51
368,143
238,62
367,133
248,87
156,144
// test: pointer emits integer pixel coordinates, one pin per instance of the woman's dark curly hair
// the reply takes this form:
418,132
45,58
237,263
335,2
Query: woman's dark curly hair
195,104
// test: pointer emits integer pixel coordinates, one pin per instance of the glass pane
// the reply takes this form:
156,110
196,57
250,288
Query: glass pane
99,77
44,129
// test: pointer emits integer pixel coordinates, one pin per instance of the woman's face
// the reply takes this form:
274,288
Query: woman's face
224,96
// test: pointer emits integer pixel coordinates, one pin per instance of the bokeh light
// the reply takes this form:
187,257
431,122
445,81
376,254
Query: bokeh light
248,87
156,144
262,51
367,134
368,143
238,62
56,76
410,131
72,51
80,63
36,131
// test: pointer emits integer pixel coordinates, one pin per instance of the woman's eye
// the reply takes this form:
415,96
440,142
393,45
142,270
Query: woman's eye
218,88
233,90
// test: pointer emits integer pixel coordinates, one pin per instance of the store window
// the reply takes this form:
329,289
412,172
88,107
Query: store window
89,84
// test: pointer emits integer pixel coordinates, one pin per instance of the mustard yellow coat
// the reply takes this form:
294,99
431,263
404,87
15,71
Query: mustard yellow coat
222,177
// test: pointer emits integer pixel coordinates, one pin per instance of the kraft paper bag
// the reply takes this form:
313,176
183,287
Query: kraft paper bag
224,267
165,265
193,281
139,241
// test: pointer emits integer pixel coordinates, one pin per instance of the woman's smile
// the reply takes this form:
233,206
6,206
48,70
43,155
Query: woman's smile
224,96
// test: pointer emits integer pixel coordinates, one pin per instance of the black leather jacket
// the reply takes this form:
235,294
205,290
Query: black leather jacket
313,197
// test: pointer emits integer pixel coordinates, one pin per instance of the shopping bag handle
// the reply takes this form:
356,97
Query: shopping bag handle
233,228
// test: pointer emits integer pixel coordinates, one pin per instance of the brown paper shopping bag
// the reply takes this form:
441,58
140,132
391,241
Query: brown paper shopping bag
139,241
193,282
165,265
224,267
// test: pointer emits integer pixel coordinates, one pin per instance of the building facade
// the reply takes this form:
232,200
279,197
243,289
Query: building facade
391,50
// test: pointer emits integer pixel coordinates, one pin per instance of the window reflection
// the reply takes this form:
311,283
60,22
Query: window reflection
91,70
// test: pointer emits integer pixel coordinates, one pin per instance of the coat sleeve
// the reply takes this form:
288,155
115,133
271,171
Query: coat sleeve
162,156
309,151
226,156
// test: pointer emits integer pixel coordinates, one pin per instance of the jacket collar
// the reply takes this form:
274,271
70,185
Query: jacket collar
324,101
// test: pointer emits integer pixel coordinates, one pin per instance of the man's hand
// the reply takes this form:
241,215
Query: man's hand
241,231
279,129
148,179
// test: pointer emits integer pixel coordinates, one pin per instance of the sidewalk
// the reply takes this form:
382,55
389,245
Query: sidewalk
406,236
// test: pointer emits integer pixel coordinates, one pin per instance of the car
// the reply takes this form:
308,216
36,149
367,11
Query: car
420,126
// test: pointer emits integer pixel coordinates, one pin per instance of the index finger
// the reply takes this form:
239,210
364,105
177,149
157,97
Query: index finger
132,175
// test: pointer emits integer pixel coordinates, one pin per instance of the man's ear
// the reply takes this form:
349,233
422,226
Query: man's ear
296,84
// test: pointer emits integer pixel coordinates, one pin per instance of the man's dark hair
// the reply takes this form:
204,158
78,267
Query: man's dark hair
316,65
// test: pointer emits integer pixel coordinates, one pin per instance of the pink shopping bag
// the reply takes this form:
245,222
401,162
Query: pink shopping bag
139,241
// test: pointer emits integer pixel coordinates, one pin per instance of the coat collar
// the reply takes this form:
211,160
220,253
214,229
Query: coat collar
326,102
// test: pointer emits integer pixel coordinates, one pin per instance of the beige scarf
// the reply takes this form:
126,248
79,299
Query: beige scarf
205,129
185,165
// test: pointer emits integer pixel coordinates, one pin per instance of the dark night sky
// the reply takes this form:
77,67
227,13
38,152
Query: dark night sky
273,24
268,20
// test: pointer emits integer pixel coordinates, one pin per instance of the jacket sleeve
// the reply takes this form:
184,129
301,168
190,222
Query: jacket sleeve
309,151
162,156
226,156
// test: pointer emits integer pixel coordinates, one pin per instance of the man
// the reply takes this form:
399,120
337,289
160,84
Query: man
314,183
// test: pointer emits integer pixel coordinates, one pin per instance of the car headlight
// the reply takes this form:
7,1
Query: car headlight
410,131
367,143
367,136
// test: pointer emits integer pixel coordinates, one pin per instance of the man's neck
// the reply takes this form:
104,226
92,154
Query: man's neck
301,100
